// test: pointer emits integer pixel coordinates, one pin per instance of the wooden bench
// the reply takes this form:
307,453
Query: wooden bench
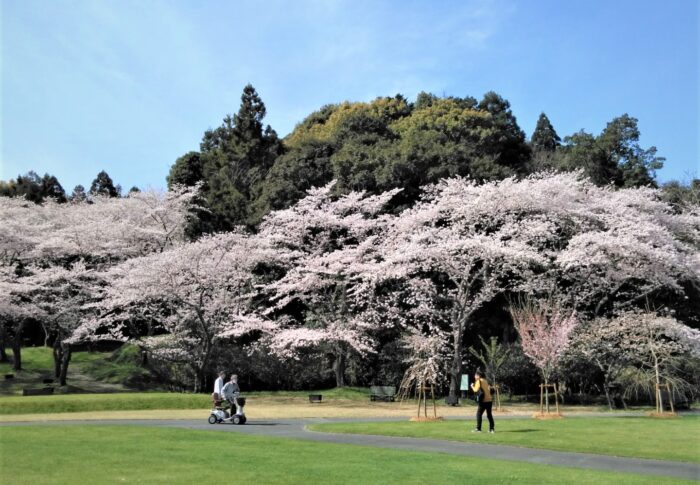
315,398
40,391
382,393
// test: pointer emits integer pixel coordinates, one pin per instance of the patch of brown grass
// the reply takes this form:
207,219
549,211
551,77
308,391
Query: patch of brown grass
548,416
288,408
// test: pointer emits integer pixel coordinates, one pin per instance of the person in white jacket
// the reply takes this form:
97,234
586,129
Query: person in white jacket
218,386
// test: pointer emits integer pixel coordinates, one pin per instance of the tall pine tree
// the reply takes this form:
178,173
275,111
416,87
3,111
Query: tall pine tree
235,160
103,185
507,145
544,138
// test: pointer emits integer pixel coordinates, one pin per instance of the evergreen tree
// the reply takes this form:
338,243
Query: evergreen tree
187,170
620,141
29,186
50,187
235,159
544,138
34,188
582,151
613,157
507,145
103,185
78,194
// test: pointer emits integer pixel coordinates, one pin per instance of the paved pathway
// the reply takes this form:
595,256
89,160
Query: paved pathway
296,429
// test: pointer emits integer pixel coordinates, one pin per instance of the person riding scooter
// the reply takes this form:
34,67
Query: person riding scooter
230,393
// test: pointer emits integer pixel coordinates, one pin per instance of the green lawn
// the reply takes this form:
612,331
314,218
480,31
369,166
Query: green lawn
128,401
126,454
665,439
136,401
87,372
34,359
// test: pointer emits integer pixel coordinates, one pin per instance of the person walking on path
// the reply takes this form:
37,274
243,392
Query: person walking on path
482,391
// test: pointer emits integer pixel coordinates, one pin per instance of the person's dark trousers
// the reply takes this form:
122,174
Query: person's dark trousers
484,406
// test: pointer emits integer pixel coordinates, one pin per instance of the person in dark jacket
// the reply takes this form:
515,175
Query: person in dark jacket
482,390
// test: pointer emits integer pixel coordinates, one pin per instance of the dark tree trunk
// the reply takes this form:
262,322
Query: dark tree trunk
57,357
16,355
198,383
339,369
607,397
456,366
3,343
17,347
65,360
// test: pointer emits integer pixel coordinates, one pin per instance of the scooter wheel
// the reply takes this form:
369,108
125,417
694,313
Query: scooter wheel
212,419
236,420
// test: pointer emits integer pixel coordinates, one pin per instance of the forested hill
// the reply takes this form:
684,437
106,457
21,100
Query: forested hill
246,170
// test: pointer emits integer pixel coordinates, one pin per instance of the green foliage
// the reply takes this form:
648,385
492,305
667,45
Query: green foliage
123,366
545,137
103,185
682,196
231,165
614,156
78,194
54,454
34,188
187,170
389,143
507,143
492,356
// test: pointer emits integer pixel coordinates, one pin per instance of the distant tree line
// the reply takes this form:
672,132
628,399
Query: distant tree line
37,189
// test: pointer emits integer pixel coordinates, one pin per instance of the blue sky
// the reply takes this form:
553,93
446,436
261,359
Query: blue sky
129,86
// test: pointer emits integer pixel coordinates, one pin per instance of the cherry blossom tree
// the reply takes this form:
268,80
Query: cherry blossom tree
426,363
327,243
545,334
47,240
655,343
16,309
631,247
474,252
201,293
598,342
596,248
106,229
63,294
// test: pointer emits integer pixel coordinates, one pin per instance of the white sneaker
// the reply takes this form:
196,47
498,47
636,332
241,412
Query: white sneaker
476,431
492,431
